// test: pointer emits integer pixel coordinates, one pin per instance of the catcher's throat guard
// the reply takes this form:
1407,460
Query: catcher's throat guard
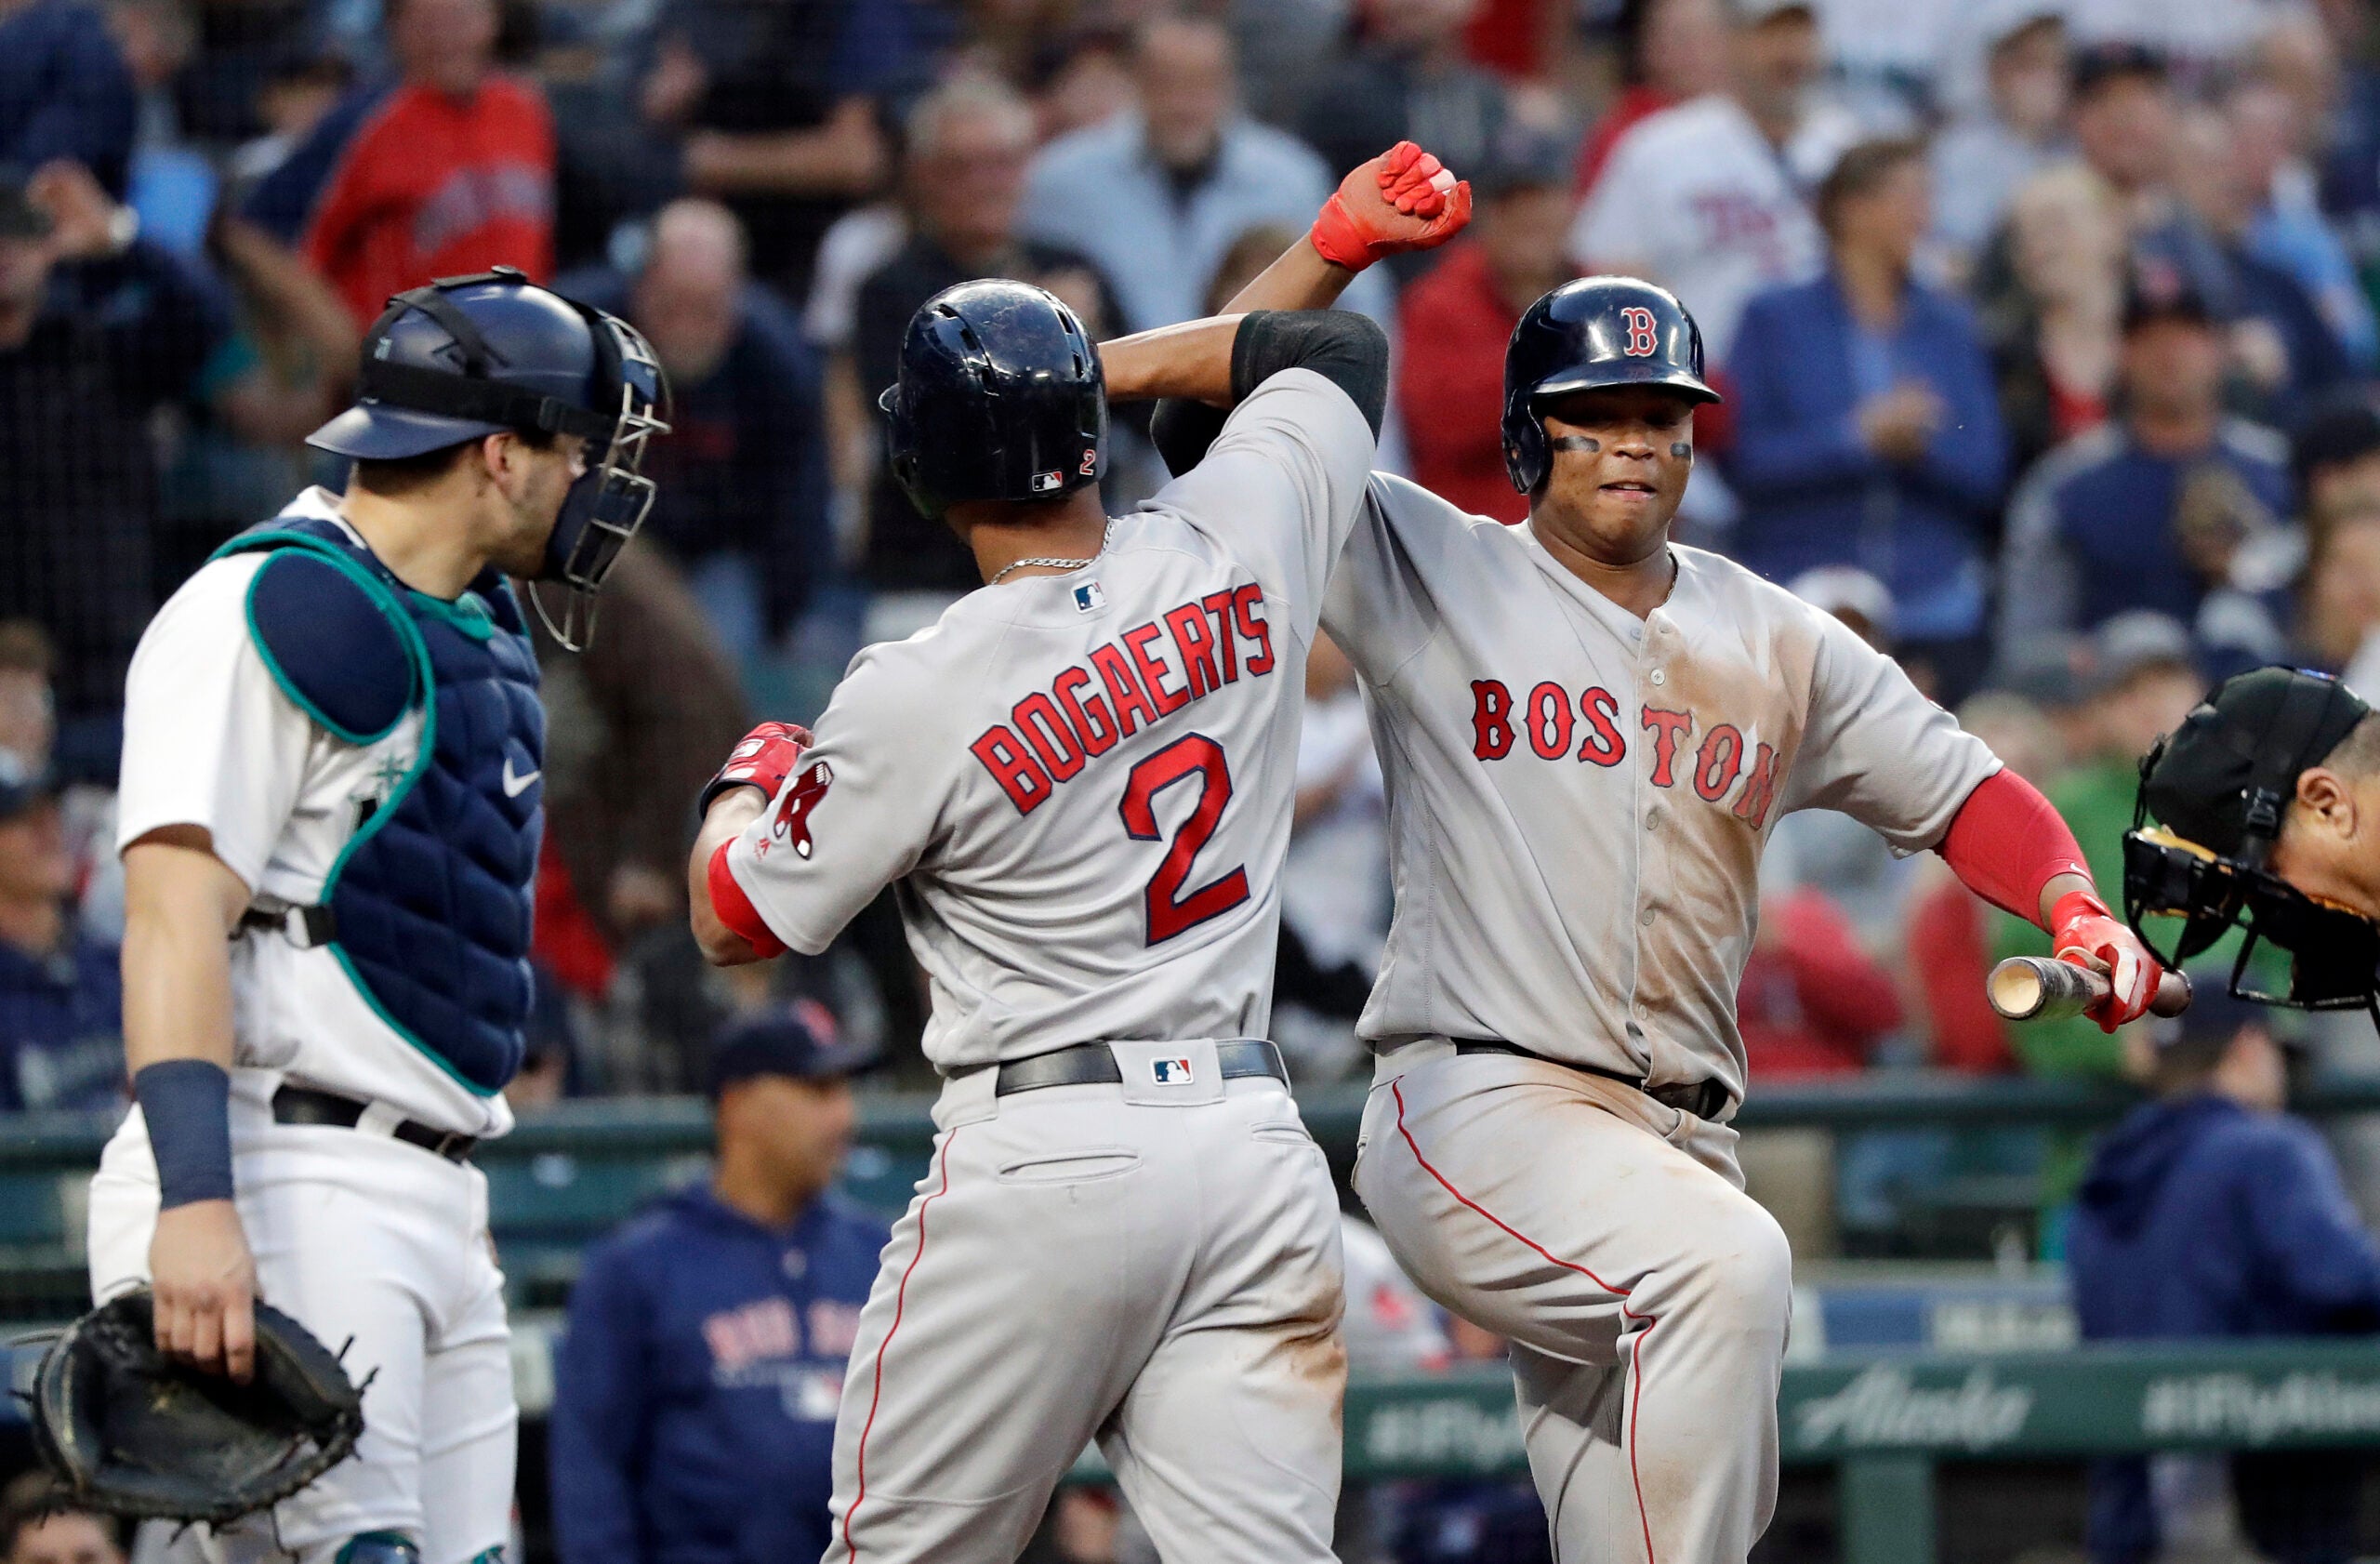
610,500
129,1432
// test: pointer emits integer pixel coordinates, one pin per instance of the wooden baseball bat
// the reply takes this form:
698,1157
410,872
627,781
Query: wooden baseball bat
2042,988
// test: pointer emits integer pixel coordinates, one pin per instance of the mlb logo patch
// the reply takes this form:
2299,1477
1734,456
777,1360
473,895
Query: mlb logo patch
1169,1072
1044,482
1089,599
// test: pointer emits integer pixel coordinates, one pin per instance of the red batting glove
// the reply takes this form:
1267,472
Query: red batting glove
2083,931
764,760
1405,199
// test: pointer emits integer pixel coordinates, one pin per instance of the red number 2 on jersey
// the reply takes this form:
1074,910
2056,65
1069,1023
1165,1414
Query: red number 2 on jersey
1169,911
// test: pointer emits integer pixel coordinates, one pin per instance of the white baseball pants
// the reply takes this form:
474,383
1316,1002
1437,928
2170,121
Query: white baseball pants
1646,1296
1154,1267
358,1235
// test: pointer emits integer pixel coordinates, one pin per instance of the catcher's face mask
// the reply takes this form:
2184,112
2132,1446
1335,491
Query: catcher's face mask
467,388
2333,954
609,502
2229,773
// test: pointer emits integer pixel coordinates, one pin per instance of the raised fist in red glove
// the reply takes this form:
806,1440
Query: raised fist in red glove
2083,931
1405,199
764,758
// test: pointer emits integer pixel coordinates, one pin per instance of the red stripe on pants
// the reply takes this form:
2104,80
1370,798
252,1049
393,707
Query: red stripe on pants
900,1302
1637,1359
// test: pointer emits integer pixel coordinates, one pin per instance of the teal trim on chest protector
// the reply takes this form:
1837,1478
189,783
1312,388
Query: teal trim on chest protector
468,615
431,898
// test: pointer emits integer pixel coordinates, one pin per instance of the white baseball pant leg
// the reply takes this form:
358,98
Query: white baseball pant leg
1647,1297
359,1237
1162,1277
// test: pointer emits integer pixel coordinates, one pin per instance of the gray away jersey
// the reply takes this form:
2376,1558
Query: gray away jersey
1578,799
1082,783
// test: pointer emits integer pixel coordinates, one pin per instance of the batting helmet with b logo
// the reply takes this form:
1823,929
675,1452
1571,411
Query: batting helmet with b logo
999,397
1584,336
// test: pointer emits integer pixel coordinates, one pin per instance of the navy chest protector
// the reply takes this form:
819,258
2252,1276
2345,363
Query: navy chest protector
427,906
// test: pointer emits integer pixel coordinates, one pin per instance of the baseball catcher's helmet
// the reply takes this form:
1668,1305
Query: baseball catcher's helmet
466,357
1000,397
1584,336
2220,784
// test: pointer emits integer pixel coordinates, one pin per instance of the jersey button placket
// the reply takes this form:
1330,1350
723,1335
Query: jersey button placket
1650,646
1639,780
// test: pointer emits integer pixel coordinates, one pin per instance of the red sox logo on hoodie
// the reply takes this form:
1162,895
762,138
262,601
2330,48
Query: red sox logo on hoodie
794,810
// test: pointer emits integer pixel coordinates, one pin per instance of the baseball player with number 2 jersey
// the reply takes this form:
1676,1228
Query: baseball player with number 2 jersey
1080,782
1587,732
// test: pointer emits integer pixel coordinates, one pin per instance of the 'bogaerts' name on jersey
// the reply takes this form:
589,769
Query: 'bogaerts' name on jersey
1053,733
1542,723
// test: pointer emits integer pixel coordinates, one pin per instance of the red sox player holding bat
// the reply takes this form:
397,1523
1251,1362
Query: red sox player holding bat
1587,732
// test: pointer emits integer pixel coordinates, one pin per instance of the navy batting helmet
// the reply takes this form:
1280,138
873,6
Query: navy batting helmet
466,357
1000,397
1584,336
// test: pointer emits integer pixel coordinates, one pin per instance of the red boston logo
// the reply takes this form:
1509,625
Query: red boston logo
794,810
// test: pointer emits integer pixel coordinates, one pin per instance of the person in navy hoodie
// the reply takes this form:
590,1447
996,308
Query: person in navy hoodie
2174,506
695,1387
2211,1212
1866,429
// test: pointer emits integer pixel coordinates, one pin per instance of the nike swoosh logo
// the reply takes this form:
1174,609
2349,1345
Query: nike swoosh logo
515,786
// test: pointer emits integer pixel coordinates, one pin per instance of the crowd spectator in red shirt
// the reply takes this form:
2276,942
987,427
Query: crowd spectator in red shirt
447,170
1812,1002
1455,322
1670,50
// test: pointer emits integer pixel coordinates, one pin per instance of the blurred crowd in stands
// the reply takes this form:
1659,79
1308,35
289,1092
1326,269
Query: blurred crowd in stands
2047,328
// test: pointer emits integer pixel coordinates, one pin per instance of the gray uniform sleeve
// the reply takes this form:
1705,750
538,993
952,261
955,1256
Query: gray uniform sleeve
861,810
1378,608
1282,487
1879,751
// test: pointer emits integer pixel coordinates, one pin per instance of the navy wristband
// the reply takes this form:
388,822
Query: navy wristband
186,1104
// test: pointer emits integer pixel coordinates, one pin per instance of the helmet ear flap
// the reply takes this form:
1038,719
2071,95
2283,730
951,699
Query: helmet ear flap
1527,457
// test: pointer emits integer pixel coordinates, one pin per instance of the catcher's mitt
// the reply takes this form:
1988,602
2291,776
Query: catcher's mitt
130,1432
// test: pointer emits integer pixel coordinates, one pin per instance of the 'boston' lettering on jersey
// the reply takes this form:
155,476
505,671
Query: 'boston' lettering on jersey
1051,734
1545,718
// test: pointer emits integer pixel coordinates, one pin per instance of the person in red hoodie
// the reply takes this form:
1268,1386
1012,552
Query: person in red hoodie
1812,1002
444,170
1454,323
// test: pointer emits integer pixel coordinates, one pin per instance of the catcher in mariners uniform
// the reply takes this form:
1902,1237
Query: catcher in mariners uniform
1587,732
329,817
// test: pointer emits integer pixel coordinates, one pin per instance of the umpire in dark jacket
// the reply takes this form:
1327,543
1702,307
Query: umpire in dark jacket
696,1387
2210,1213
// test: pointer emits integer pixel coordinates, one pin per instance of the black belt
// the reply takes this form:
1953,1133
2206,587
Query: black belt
303,1105
1093,1064
305,926
1704,1099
